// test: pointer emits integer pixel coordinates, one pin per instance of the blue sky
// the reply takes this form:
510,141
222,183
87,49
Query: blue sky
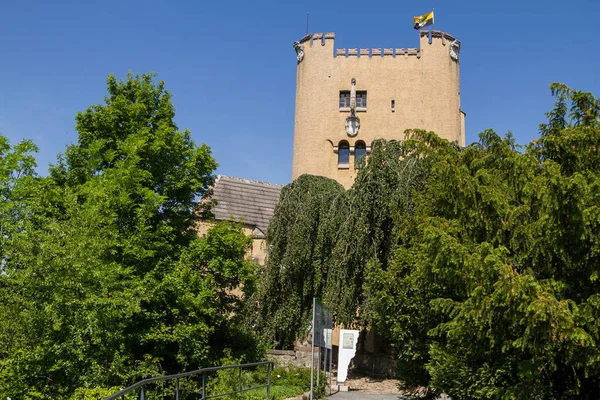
231,67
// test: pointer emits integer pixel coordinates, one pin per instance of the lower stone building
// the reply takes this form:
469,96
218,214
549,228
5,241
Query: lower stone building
252,203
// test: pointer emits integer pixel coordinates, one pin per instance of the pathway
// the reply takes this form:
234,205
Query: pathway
357,394
363,387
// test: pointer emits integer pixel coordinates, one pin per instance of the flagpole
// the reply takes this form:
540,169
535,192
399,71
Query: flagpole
312,349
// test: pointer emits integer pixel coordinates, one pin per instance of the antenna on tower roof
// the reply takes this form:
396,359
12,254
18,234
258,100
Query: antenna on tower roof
307,23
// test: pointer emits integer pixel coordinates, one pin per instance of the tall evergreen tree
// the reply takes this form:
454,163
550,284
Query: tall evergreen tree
480,264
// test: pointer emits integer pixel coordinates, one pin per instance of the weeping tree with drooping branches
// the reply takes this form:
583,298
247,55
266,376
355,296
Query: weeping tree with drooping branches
300,241
322,236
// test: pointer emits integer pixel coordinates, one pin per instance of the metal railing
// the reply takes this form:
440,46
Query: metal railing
144,384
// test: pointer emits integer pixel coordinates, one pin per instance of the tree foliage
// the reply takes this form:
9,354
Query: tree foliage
300,245
104,279
479,263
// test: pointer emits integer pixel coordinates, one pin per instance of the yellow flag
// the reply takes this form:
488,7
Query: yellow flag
424,20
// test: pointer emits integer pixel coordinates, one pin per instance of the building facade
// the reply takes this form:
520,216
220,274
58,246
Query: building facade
251,203
387,90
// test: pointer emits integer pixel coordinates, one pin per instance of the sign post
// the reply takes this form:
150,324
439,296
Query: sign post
321,337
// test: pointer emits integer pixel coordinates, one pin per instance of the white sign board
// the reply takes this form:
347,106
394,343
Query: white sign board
347,350
327,335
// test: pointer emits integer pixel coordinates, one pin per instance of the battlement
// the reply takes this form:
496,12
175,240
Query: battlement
377,52
426,37
317,38
437,35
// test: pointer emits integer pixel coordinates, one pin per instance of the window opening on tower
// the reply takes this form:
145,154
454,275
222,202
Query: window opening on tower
360,150
361,100
343,155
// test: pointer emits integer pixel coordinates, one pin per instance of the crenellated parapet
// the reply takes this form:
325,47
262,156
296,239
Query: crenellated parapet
437,35
306,38
377,52
433,37
318,38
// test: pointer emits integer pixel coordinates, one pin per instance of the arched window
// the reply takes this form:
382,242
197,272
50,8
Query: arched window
343,155
360,149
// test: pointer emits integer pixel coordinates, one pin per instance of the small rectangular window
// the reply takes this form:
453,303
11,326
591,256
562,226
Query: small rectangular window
361,99
345,99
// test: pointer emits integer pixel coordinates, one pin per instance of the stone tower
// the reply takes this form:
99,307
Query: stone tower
394,90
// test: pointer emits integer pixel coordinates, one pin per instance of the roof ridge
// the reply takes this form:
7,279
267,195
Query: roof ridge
251,200
255,187
245,180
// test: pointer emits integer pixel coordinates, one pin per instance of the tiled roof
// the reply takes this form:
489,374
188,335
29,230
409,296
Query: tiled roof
243,198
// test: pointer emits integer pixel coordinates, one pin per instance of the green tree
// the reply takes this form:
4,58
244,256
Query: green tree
300,241
478,263
106,281
17,169
322,237
17,164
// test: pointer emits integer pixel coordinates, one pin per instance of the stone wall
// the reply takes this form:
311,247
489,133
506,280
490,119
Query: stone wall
374,357
299,357
376,365
283,358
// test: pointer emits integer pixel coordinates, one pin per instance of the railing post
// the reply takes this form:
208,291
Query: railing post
177,389
269,380
240,380
204,386
143,393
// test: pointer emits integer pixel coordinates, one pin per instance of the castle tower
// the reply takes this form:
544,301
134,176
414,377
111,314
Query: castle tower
395,90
